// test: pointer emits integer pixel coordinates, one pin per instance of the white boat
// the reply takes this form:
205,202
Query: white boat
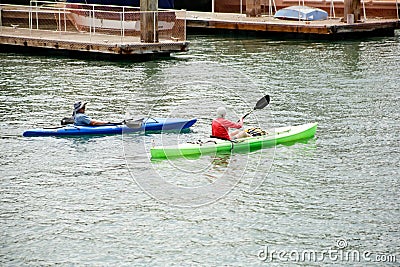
301,13
115,19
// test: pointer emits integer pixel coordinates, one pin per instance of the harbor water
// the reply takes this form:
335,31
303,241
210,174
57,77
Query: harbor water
101,200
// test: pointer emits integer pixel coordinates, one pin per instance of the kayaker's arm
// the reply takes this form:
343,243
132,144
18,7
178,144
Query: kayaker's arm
96,123
231,124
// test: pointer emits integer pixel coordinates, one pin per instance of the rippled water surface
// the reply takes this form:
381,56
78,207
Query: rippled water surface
102,201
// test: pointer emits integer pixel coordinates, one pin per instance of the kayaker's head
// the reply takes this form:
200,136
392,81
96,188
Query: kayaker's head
79,107
221,112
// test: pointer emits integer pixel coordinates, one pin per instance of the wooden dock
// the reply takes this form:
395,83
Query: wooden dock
81,45
266,26
58,30
51,31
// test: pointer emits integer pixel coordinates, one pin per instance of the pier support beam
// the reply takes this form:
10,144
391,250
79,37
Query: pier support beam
352,7
253,8
149,21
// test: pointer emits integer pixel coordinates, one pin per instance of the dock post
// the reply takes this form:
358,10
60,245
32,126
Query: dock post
149,21
352,7
253,8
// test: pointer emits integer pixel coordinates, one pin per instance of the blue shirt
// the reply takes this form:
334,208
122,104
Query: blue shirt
82,119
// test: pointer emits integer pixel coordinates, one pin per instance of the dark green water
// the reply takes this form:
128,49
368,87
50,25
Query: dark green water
100,201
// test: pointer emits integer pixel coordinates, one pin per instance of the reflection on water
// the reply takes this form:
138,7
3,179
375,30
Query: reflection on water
221,160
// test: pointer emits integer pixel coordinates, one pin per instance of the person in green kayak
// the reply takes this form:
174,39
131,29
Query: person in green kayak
81,119
220,127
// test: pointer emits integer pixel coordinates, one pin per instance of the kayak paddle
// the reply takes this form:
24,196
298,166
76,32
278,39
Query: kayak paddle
262,103
134,124
131,123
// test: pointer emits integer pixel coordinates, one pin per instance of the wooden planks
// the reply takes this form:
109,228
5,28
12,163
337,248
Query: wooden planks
267,26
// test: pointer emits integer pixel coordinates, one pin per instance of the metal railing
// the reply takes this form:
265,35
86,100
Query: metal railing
122,21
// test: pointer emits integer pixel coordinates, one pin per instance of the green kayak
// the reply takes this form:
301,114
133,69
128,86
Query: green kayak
277,136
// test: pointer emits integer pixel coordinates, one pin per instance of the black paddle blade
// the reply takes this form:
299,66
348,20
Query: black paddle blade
263,102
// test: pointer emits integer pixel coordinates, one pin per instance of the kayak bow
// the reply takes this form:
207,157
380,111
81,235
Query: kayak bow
278,136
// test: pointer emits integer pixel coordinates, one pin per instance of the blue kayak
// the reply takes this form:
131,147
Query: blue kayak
148,124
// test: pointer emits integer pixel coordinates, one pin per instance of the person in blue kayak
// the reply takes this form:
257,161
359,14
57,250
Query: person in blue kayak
81,119
220,127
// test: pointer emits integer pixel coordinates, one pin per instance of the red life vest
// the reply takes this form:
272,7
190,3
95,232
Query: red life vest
220,128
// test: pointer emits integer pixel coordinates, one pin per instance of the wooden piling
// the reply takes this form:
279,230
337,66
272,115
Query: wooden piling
352,7
253,8
149,21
